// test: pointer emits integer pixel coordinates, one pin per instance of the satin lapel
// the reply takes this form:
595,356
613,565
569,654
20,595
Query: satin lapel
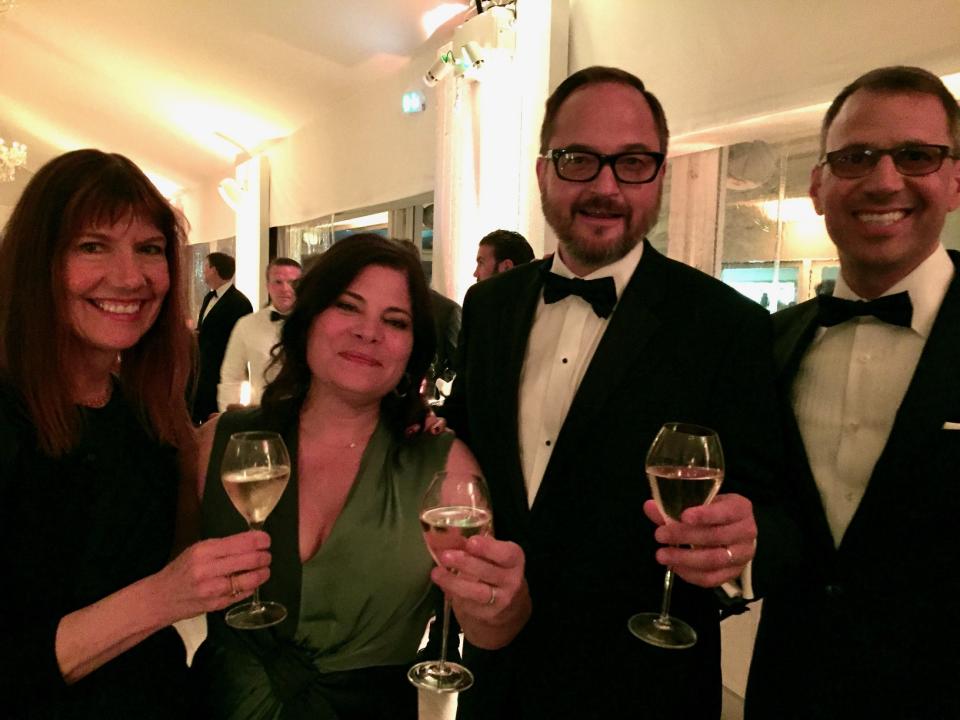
932,397
511,349
637,316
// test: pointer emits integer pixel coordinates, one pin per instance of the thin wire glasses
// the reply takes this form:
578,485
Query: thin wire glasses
632,168
910,159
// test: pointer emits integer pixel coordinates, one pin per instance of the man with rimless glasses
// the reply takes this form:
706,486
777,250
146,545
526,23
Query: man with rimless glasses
569,367
861,622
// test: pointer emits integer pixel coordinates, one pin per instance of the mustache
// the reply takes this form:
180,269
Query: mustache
600,204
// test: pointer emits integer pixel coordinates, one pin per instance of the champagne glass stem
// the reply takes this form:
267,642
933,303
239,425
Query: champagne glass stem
446,630
664,619
255,604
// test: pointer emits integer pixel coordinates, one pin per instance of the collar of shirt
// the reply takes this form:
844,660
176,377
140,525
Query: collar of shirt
927,285
621,271
221,289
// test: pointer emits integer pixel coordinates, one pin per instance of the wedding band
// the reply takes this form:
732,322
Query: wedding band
234,590
493,595
729,554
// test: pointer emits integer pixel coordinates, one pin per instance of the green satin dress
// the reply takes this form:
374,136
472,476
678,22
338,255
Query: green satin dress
357,608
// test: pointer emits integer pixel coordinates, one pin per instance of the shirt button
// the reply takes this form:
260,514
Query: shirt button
547,443
564,361
864,357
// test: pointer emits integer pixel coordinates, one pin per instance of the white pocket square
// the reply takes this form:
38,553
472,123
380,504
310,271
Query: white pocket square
951,426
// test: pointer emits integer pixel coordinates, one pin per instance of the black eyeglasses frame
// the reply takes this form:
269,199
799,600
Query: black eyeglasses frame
556,153
874,154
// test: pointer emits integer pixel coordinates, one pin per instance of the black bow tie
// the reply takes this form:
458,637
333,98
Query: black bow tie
601,293
276,317
894,309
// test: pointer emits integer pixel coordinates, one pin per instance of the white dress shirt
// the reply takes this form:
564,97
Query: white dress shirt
247,357
851,382
563,339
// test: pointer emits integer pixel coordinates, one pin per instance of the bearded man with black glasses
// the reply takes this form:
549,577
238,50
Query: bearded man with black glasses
569,367
863,624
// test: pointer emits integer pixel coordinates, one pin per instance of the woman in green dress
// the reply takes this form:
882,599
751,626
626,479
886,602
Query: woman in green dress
349,561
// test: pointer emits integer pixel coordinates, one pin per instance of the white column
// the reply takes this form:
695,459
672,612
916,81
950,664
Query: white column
253,228
488,127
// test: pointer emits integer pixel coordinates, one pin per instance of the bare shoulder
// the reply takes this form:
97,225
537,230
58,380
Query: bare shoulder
460,459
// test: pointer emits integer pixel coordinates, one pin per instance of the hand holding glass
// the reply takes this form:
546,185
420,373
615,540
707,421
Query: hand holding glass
685,469
455,507
255,471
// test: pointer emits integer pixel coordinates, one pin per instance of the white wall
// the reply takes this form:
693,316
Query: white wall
713,63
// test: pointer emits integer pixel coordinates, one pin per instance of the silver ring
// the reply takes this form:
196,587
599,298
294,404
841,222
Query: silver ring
493,596
234,590
729,554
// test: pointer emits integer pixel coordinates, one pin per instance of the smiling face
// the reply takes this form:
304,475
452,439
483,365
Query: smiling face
115,280
885,224
600,221
360,345
280,286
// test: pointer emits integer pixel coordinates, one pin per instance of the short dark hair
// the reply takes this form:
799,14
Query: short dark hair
508,245
282,262
895,80
595,75
67,196
328,277
225,265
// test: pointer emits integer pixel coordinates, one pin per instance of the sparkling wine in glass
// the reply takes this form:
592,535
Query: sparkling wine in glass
455,507
255,471
685,469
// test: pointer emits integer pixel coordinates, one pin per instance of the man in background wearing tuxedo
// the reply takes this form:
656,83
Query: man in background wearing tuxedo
859,619
568,368
500,251
248,355
221,309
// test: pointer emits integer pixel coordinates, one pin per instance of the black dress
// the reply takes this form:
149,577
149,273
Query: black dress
76,529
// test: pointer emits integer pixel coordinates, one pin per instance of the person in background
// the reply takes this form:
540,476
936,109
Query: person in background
248,352
446,324
350,563
856,617
569,367
222,306
94,431
499,251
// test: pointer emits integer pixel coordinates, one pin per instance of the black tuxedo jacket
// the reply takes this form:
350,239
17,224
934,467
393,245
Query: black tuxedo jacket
212,336
680,346
446,324
868,629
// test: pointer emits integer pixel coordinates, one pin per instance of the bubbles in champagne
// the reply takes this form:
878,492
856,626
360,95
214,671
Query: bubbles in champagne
449,528
254,492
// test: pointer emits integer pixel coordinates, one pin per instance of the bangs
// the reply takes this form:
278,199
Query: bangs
120,191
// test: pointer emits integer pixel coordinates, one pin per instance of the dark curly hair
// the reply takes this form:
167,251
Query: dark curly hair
318,289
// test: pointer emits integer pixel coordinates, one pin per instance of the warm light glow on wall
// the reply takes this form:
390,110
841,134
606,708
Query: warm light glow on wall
432,19
790,210
207,122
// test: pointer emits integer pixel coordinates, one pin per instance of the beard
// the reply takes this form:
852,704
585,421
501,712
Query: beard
592,249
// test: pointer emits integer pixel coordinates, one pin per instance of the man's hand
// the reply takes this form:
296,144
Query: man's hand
715,542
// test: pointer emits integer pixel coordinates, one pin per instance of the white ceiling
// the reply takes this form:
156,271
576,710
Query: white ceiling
165,81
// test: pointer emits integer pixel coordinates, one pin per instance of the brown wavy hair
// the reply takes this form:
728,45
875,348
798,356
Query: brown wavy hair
318,289
67,196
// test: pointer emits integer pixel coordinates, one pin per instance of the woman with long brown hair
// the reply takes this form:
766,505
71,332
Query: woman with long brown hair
94,431
350,564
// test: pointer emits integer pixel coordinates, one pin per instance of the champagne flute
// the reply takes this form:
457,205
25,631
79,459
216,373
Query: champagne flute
255,471
455,507
685,468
